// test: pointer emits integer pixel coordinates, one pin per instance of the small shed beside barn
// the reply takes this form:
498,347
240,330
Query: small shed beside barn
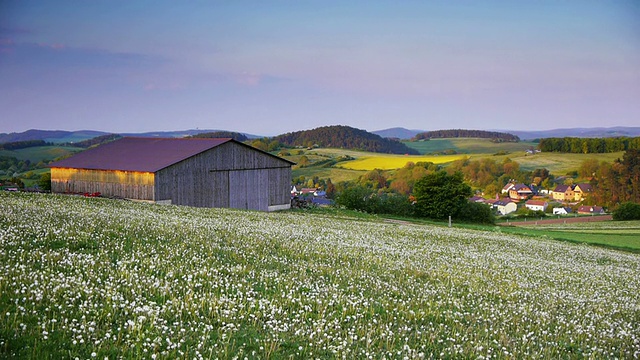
192,172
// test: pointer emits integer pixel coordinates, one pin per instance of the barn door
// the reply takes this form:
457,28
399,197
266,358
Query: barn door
238,190
249,189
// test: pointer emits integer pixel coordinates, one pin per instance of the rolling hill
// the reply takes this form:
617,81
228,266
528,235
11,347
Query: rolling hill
344,137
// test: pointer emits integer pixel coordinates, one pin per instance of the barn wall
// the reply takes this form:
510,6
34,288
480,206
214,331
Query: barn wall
229,175
125,184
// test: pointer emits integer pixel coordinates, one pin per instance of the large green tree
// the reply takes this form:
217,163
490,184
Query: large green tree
439,195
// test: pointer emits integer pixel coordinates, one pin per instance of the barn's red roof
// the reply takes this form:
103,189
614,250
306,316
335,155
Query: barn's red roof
138,154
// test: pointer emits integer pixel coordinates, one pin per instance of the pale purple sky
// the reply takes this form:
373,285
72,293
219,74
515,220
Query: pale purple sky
268,68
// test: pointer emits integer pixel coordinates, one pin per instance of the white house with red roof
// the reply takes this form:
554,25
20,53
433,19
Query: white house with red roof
536,205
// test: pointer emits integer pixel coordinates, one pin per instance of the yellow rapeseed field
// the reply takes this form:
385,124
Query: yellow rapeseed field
390,162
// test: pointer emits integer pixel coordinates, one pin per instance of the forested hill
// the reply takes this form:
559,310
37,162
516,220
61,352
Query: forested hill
344,137
461,133
222,134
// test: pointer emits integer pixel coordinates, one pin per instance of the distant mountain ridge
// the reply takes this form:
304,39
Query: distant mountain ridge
49,135
598,132
602,132
62,136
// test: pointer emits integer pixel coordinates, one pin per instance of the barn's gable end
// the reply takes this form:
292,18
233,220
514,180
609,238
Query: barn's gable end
230,175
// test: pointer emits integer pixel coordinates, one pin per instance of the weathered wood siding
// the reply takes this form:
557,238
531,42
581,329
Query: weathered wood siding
125,184
229,175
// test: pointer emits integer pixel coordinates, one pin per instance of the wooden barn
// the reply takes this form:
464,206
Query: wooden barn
192,172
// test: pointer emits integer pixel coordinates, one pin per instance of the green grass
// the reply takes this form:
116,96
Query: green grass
99,278
469,146
557,163
335,174
623,235
40,153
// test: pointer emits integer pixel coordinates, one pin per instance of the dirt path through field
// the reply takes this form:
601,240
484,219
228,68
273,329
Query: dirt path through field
562,220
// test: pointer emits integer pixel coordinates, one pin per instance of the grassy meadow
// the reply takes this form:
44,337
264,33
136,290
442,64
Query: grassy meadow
556,163
614,234
40,153
469,146
97,278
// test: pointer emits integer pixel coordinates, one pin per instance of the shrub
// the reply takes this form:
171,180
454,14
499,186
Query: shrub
45,182
362,198
476,213
627,211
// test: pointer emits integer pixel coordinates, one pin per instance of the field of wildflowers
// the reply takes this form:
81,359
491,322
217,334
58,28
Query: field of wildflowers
95,278
391,162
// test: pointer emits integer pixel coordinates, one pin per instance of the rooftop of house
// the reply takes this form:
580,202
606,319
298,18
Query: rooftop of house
521,188
584,187
590,208
502,202
562,188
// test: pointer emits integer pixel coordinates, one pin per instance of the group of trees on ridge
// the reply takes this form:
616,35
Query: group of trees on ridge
463,133
589,145
221,134
23,144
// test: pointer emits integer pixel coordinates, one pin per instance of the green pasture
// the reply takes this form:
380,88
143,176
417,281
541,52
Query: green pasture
40,153
622,235
335,174
76,137
556,163
469,146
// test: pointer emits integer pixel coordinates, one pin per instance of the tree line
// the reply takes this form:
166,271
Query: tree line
588,145
17,145
462,133
222,134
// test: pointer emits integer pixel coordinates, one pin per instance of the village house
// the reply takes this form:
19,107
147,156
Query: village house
536,205
505,206
506,188
563,193
581,191
590,209
192,172
520,192
561,210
